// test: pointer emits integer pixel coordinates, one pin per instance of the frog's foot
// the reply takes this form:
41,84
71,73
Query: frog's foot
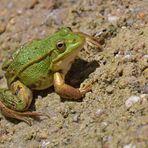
67,91
91,41
23,116
85,89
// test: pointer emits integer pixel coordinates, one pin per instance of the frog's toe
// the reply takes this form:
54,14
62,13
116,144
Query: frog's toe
23,116
85,89
25,119
33,114
14,114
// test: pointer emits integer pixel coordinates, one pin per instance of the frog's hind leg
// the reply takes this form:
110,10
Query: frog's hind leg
15,102
17,115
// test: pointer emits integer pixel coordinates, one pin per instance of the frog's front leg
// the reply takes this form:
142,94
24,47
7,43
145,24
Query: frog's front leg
67,91
15,101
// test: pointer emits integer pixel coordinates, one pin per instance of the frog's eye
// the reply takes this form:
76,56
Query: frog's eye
61,46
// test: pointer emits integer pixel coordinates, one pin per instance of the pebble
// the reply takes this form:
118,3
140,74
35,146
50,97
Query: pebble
109,89
2,28
143,96
57,16
76,118
43,135
45,144
131,100
145,56
145,73
100,112
10,5
129,146
19,11
112,19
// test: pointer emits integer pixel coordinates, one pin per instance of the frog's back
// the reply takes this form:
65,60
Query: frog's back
30,61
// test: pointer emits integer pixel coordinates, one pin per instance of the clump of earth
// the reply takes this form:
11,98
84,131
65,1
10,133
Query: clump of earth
115,112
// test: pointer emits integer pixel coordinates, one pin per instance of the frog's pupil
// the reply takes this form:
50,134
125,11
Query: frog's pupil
60,45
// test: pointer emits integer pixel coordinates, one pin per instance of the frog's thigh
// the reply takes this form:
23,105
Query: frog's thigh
65,90
19,98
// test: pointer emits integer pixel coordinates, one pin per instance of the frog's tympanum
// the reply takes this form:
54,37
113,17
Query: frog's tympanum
37,66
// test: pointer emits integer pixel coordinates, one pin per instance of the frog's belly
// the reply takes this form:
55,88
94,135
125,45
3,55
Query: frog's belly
42,83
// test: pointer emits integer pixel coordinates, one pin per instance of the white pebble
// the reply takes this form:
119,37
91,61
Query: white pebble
99,112
129,146
128,57
45,144
145,56
131,100
113,19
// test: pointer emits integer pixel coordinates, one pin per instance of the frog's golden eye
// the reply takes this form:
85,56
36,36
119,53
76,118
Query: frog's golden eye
61,46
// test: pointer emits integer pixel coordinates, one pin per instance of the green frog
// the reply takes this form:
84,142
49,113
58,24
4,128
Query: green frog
38,65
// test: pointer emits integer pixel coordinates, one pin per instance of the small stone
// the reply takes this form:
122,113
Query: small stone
43,135
104,124
122,83
57,16
145,73
45,144
109,89
143,96
10,5
2,28
129,146
75,118
100,112
113,19
19,11
131,100
145,57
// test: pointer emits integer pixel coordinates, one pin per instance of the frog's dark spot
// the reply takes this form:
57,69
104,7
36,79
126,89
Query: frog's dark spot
18,90
36,84
10,73
43,78
29,59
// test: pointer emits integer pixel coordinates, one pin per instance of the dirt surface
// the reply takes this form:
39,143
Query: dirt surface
115,113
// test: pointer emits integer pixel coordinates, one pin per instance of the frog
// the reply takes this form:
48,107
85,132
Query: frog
38,65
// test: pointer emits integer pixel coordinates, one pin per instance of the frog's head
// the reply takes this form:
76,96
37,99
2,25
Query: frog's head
66,47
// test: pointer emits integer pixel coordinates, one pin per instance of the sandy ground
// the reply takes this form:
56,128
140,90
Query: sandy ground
115,113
